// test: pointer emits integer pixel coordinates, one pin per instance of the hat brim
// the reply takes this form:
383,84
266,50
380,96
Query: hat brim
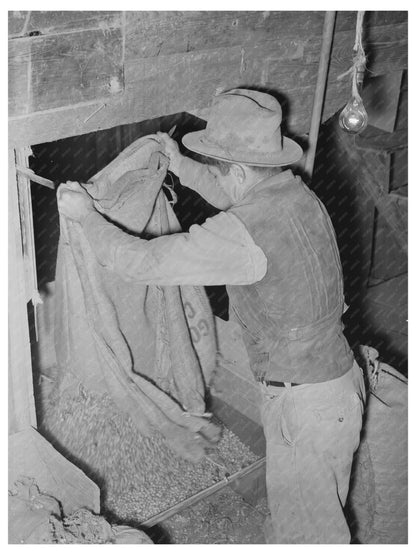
290,153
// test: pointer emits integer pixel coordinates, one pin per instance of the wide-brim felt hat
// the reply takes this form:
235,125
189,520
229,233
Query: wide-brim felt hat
244,126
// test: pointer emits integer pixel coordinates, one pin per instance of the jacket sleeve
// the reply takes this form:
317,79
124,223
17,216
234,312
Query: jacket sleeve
219,252
197,177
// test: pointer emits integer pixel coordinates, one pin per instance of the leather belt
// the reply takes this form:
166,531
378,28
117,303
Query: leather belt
276,384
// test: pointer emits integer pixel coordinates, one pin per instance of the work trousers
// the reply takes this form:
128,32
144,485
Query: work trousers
312,431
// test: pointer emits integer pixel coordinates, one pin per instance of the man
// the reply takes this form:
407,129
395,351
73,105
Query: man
274,247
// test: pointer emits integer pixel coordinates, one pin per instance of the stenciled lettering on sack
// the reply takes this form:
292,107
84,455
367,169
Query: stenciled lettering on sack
201,329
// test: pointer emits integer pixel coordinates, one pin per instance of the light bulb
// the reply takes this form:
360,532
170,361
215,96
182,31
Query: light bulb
353,118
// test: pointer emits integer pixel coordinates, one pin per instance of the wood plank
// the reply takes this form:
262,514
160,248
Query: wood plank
255,468
31,456
347,19
51,22
164,79
18,80
288,75
249,431
382,58
206,74
67,69
22,405
150,34
252,486
240,394
385,46
26,222
390,57
76,67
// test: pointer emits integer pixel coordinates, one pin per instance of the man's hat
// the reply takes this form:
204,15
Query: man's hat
244,127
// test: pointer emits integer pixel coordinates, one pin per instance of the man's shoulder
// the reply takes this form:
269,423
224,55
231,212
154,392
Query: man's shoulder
274,196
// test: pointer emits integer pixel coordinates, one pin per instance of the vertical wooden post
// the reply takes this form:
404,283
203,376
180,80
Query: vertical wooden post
26,223
319,97
21,399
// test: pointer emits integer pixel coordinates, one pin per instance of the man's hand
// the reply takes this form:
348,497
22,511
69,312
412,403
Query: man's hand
74,202
171,150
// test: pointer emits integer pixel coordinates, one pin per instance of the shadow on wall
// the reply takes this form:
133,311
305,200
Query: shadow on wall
377,313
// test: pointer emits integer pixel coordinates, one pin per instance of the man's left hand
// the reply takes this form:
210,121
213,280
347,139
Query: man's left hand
74,202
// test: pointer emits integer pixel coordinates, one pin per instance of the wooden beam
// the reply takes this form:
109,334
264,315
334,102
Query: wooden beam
26,222
37,23
22,405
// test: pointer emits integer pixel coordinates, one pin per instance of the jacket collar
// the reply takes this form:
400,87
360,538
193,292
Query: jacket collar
275,181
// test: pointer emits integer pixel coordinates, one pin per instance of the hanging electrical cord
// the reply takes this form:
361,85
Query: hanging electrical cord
354,118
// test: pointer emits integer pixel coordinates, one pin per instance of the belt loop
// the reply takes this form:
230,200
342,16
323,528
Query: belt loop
288,385
263,386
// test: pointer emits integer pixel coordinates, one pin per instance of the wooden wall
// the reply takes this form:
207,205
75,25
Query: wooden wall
71,73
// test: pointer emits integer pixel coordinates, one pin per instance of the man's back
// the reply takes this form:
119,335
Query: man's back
292,314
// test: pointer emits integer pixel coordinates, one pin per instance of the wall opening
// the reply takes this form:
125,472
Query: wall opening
78,158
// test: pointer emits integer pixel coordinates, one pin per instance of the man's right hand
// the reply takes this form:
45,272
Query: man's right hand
74,202
171,150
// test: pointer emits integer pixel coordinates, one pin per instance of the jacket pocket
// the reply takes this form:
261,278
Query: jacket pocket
253,331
